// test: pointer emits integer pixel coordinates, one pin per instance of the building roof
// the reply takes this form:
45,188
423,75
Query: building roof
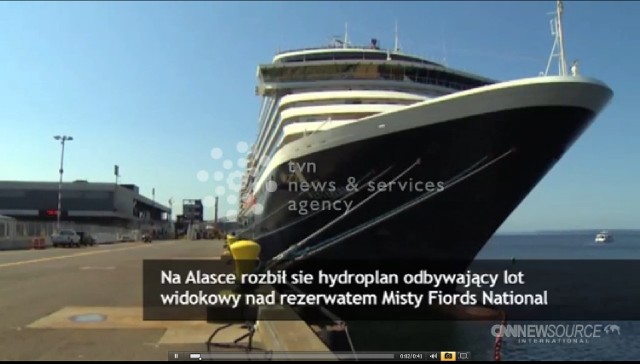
76,185
82,186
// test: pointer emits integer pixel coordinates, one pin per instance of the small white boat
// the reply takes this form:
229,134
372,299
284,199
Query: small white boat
604,237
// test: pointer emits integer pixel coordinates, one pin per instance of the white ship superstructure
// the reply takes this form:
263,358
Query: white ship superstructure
314,90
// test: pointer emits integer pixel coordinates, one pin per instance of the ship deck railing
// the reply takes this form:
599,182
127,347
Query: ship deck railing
330,47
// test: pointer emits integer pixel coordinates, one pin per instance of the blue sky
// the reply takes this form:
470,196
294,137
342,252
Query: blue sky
155,86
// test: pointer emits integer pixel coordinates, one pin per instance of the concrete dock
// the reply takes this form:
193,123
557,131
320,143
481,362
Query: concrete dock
86,304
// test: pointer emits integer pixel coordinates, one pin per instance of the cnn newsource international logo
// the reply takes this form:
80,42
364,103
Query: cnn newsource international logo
555,333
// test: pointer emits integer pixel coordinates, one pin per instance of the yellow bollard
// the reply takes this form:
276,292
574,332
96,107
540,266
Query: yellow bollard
245,254
231,239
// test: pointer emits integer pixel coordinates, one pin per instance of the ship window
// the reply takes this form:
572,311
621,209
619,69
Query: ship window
371,71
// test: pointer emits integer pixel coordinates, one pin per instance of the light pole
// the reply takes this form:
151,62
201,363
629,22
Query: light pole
62,139
153,196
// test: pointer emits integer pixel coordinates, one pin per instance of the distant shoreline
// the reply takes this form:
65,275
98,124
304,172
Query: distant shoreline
567,232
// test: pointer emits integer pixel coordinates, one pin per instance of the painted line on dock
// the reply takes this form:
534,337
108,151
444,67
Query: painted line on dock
48,259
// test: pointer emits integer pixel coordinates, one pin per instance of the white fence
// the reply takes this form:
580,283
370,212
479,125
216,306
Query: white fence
103,234
11,229
7,227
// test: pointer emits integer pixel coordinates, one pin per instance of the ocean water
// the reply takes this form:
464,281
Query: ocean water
571,246
578,245
476,337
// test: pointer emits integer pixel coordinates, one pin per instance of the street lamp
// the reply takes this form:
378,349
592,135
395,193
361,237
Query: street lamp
62,140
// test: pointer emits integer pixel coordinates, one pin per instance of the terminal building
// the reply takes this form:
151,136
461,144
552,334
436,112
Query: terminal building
191,222
106,204
192,215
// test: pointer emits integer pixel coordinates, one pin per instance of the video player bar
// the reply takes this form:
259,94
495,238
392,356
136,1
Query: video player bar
259,355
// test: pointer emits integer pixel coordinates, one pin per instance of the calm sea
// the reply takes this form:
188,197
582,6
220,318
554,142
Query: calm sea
477,339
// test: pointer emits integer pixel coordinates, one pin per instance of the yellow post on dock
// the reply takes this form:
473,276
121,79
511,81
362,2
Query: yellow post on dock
245,254
231,239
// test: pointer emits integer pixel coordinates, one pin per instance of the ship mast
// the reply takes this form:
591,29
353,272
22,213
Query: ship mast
563,60
345,44
396,47
558,44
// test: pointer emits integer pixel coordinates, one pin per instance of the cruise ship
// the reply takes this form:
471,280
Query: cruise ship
372,153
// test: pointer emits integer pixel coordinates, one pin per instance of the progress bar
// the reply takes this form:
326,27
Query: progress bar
200,356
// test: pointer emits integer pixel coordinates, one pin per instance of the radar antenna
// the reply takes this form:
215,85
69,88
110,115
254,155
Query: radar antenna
558,44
